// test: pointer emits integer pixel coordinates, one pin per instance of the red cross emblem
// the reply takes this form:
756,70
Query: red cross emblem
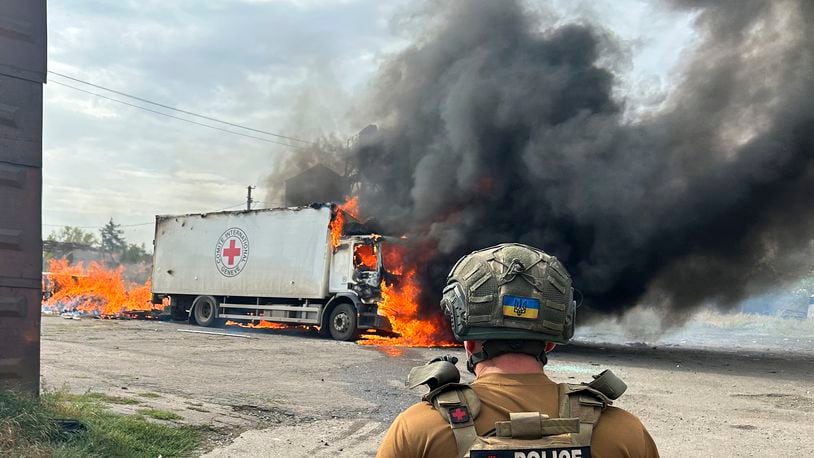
458,414
231,252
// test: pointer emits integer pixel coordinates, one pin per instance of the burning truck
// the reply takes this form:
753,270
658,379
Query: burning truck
286,265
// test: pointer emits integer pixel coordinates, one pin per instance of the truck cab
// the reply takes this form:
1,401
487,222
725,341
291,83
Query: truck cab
357,267
356,274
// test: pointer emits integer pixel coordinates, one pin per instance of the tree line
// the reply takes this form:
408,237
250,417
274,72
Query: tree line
110,240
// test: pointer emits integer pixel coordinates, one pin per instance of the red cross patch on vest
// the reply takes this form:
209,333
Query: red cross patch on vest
458,415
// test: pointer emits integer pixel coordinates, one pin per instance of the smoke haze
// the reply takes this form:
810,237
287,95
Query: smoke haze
498,126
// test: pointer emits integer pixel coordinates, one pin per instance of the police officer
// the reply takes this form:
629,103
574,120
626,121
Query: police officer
510,304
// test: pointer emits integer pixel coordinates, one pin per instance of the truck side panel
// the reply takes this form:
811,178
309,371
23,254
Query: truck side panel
265,253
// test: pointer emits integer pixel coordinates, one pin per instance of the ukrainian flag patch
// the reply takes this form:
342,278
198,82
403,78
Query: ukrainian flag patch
521,307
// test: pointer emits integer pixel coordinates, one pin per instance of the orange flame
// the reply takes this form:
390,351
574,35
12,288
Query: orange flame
263,324
94,290
351,207
393,259
336,228
364,257
401,305
401,301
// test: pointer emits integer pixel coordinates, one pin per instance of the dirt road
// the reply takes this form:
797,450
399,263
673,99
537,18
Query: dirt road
290,393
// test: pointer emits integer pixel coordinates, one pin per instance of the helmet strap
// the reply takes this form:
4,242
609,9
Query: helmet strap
493,348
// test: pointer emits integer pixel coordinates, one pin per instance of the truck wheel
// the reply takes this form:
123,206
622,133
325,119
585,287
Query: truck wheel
343,322
324,331
204,310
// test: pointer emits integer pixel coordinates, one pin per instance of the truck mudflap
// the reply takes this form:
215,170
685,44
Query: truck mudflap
371,320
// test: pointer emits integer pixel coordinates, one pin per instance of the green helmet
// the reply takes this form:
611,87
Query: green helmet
510,292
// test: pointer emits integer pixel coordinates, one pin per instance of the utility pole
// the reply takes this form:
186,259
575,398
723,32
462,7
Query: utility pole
249,197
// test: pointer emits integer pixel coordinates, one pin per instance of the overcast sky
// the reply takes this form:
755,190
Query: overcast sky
298,68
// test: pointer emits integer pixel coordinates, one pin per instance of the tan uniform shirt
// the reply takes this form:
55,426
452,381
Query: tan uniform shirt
420,431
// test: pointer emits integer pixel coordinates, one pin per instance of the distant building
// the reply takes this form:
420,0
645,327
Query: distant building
73,252
317,184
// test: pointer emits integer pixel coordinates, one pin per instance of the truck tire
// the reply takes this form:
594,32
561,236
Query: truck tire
342,323
324,331
204,310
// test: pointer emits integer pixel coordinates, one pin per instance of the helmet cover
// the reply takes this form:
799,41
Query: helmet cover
510,292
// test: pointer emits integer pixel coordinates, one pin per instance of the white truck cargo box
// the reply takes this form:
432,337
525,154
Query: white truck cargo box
282,252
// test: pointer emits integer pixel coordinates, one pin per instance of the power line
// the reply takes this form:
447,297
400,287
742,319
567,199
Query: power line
173,116
209,118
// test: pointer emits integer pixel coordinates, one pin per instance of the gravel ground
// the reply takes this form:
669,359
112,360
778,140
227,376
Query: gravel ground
290,393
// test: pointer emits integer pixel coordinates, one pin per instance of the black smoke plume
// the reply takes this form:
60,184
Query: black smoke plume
495,126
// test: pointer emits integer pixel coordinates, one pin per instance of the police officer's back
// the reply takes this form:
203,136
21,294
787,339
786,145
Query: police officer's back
510,304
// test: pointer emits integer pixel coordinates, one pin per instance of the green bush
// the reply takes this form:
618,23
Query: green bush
27,429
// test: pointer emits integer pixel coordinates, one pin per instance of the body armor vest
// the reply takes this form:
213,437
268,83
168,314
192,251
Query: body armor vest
525,434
